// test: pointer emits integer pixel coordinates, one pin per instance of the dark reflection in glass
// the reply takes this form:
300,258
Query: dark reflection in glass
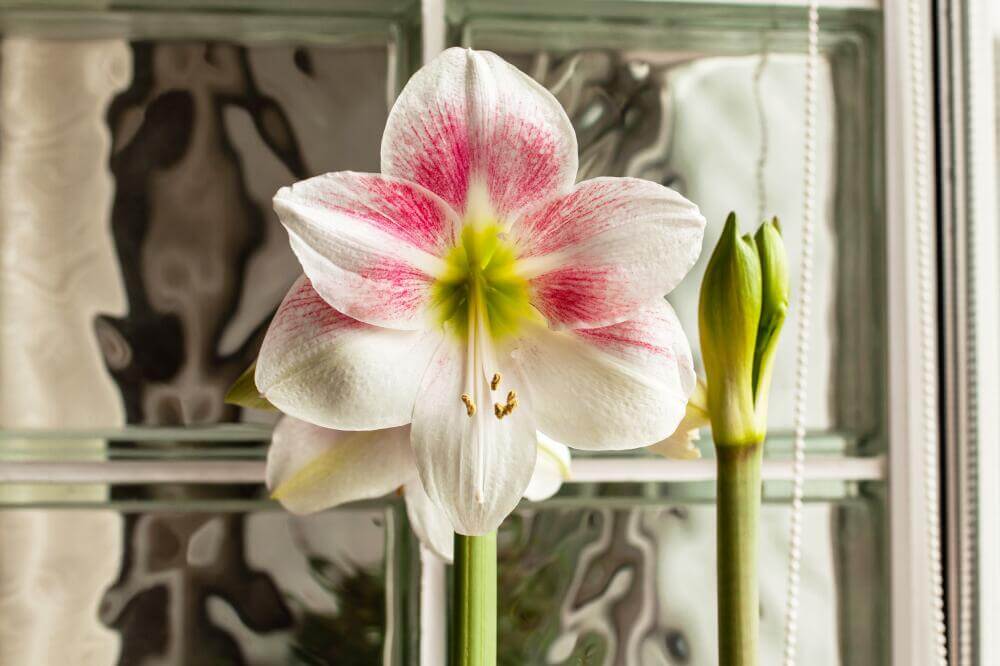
201,139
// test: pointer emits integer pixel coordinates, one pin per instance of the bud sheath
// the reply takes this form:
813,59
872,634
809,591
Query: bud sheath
729,311
774,308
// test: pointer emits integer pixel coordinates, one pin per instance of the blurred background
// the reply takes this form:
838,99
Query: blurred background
140,261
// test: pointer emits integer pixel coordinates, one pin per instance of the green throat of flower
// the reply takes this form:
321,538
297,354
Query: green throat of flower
480,287
482,298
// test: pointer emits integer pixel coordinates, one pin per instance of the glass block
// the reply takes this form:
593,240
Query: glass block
616,582
142,260
215,588
141,263
708,99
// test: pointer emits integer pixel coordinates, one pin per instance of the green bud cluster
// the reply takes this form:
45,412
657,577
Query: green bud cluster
741,309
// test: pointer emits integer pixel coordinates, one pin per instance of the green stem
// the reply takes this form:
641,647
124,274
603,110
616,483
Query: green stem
738,503
474,626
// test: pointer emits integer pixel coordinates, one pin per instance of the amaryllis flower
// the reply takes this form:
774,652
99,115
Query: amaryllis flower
473,290
311,468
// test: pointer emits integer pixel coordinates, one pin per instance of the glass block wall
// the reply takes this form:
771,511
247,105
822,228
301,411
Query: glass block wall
141,264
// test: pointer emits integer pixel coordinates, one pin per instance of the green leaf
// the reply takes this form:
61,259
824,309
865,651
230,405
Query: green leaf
244,392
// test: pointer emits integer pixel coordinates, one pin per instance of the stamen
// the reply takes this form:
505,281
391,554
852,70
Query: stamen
501,411
470,405
495,382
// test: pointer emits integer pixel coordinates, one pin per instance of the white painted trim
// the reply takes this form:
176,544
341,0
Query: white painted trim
624,470
982,180
911,631
391,581
583,470
433,609
432,28
134,471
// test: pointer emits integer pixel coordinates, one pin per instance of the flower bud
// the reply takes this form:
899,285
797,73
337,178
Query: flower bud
774,308
729,310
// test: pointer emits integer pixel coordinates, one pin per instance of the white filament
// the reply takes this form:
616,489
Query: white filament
474,381
802,341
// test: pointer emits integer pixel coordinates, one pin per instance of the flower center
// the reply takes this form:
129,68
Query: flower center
481,297
481,282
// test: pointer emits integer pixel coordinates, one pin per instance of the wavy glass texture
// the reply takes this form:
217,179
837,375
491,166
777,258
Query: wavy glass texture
634,584
260,588
141,265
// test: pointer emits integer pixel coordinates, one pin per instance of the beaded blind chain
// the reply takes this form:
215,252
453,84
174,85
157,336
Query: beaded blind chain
802,340
928,326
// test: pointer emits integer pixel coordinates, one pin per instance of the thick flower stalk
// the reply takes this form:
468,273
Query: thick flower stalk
742,307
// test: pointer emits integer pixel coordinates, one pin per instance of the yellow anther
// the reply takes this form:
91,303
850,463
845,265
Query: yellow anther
470,405
495,382
501,410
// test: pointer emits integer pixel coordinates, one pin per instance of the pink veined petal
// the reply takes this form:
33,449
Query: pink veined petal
370,244
606,249
616,387
456,453
321,366
311,468
470,118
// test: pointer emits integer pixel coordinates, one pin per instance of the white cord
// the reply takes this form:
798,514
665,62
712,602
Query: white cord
802,341
928,328
758,98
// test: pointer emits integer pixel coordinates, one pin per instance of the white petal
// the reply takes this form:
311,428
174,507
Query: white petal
551,470
311,468
616,387
475,468
468,117
681,444
370,244
429,522
323,367
606,249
